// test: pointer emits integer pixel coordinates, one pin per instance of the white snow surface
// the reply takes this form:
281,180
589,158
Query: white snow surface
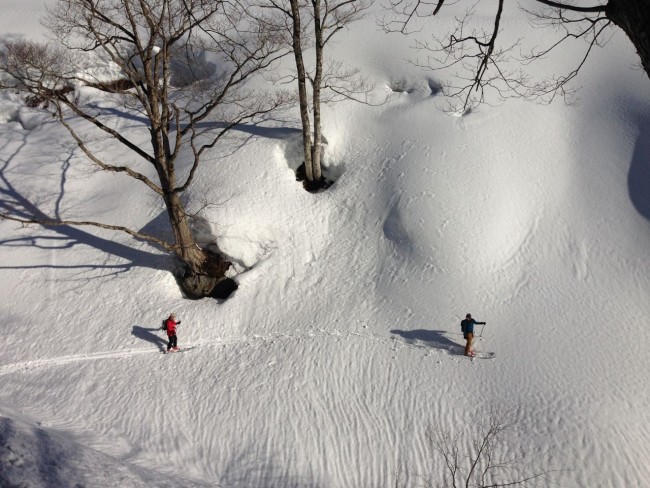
342,343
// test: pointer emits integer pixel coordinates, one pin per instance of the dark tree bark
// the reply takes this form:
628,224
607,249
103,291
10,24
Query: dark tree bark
633,17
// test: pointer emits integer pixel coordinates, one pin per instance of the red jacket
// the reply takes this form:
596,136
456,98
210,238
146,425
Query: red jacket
170,326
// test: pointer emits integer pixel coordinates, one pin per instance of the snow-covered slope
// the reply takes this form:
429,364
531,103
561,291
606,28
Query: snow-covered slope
38,457
342,344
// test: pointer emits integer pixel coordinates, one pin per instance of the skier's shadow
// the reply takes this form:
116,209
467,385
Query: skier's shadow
148,335
436,339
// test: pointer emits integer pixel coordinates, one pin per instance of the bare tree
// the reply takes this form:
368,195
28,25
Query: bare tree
313,24
481,458
184,63
483,64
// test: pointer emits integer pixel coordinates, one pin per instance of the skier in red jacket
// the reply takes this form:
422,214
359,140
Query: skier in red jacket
170,327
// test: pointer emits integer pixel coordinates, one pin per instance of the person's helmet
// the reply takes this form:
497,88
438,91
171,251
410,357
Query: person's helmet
468,316
172,316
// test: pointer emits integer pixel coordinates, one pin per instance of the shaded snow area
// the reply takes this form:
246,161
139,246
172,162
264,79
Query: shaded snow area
38,457
341,345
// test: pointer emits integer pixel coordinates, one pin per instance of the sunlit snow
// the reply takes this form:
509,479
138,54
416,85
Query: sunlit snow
342,343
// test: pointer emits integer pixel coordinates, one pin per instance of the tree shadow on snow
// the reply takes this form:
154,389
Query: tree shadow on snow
436,339
252,468
20,205
50,459
639,175
147,334
255,128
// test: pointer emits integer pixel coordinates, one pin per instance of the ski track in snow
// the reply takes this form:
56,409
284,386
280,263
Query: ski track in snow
62,360
390,342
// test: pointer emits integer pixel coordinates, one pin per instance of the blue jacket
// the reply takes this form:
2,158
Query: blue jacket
467,326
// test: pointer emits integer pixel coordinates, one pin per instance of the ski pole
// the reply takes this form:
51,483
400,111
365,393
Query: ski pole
481,334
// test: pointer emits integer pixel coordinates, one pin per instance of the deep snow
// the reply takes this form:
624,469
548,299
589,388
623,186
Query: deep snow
341,344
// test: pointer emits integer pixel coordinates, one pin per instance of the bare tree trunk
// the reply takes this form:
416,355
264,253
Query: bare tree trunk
316,92
328,18
633,16
202,269
302,90
188,250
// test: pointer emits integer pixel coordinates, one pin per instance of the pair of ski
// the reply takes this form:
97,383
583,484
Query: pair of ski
178,349
480,355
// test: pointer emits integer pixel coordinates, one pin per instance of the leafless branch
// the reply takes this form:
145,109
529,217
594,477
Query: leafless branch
165,52
477,459
81,223
482,66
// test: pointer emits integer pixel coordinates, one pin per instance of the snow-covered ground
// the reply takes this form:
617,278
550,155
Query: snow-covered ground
342,343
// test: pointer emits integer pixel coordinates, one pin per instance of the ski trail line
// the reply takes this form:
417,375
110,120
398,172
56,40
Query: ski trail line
61,360
390,342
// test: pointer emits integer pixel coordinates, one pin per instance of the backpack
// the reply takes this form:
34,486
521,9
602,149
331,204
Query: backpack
164,325
463,327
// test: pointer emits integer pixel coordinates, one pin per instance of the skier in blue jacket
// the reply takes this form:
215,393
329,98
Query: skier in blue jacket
467,326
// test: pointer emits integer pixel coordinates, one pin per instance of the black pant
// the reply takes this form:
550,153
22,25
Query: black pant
172,342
